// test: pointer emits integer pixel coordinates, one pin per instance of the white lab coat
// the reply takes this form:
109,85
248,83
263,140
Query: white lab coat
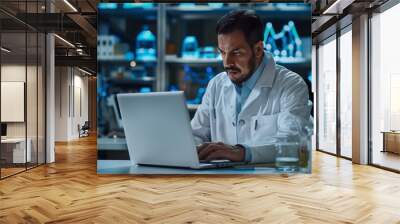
277,105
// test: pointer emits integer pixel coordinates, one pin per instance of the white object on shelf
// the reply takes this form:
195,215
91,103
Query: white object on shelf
105,47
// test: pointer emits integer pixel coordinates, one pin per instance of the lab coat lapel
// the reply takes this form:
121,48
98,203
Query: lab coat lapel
265,81
229,99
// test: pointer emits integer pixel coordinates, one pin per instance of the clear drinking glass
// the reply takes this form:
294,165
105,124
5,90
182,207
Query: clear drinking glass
287,156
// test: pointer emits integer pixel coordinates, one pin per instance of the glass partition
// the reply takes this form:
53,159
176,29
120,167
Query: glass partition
327,96
13,108
346,93
385,89
22,87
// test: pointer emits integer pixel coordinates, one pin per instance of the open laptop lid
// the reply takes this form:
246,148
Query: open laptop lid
157,129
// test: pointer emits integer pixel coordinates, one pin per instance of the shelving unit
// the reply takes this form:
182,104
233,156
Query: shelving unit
123,73
170,23
193,61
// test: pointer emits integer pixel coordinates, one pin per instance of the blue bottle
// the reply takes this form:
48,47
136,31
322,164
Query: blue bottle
190,47
146,45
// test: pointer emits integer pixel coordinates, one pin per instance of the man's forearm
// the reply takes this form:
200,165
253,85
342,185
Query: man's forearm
262,154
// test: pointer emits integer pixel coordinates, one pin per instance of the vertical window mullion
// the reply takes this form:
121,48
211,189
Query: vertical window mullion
338,75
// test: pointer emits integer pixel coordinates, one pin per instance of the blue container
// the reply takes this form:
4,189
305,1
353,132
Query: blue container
146,45
208,52
190,47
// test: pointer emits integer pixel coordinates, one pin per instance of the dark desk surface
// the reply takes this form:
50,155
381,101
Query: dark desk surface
126,167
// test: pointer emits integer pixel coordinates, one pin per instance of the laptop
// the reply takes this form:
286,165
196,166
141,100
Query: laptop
158,132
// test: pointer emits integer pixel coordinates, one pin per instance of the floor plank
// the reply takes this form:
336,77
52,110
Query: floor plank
70,191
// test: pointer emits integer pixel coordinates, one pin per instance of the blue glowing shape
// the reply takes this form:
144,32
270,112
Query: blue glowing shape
216,5
190,47
173,88
107,5
208,52
137,5
187,5
146,45
145,90
309,77
129,56
290,42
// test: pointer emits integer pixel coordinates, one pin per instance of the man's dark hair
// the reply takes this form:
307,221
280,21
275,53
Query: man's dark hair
243,20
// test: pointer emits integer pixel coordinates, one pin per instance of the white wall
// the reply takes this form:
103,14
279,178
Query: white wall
71,94
12,73
33,126
61,103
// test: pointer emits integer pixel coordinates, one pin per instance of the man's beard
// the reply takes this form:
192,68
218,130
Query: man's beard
251,65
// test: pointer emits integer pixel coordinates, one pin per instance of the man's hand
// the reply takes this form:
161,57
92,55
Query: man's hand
212,151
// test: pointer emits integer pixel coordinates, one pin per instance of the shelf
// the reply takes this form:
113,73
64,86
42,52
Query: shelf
123,61
176,60
116,60
272,11
138,81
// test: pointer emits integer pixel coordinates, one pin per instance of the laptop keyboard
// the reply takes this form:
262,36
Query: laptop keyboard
221,163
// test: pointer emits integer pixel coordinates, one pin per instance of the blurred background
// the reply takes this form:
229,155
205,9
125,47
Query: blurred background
146,47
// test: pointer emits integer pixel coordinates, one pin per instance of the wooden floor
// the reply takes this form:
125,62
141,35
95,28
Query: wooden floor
10,171
70,191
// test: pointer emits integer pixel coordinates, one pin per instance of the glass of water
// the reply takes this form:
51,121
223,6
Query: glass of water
287,156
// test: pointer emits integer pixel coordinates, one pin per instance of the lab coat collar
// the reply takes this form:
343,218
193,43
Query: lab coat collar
268,74
265,81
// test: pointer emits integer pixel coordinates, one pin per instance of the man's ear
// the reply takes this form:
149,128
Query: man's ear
258,49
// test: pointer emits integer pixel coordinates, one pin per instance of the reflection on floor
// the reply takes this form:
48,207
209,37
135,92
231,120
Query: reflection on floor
10,169
70,191
386,159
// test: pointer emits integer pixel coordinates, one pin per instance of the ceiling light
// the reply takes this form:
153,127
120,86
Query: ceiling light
337,7
70,5
329,9
65,41
5,50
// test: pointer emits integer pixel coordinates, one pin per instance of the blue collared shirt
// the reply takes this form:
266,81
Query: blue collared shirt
243,91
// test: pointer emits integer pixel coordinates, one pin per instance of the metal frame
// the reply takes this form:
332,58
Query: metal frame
338,98
340,32
26,87
381,9
161,31
369,78
0,90
317,99
338,153
44,71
